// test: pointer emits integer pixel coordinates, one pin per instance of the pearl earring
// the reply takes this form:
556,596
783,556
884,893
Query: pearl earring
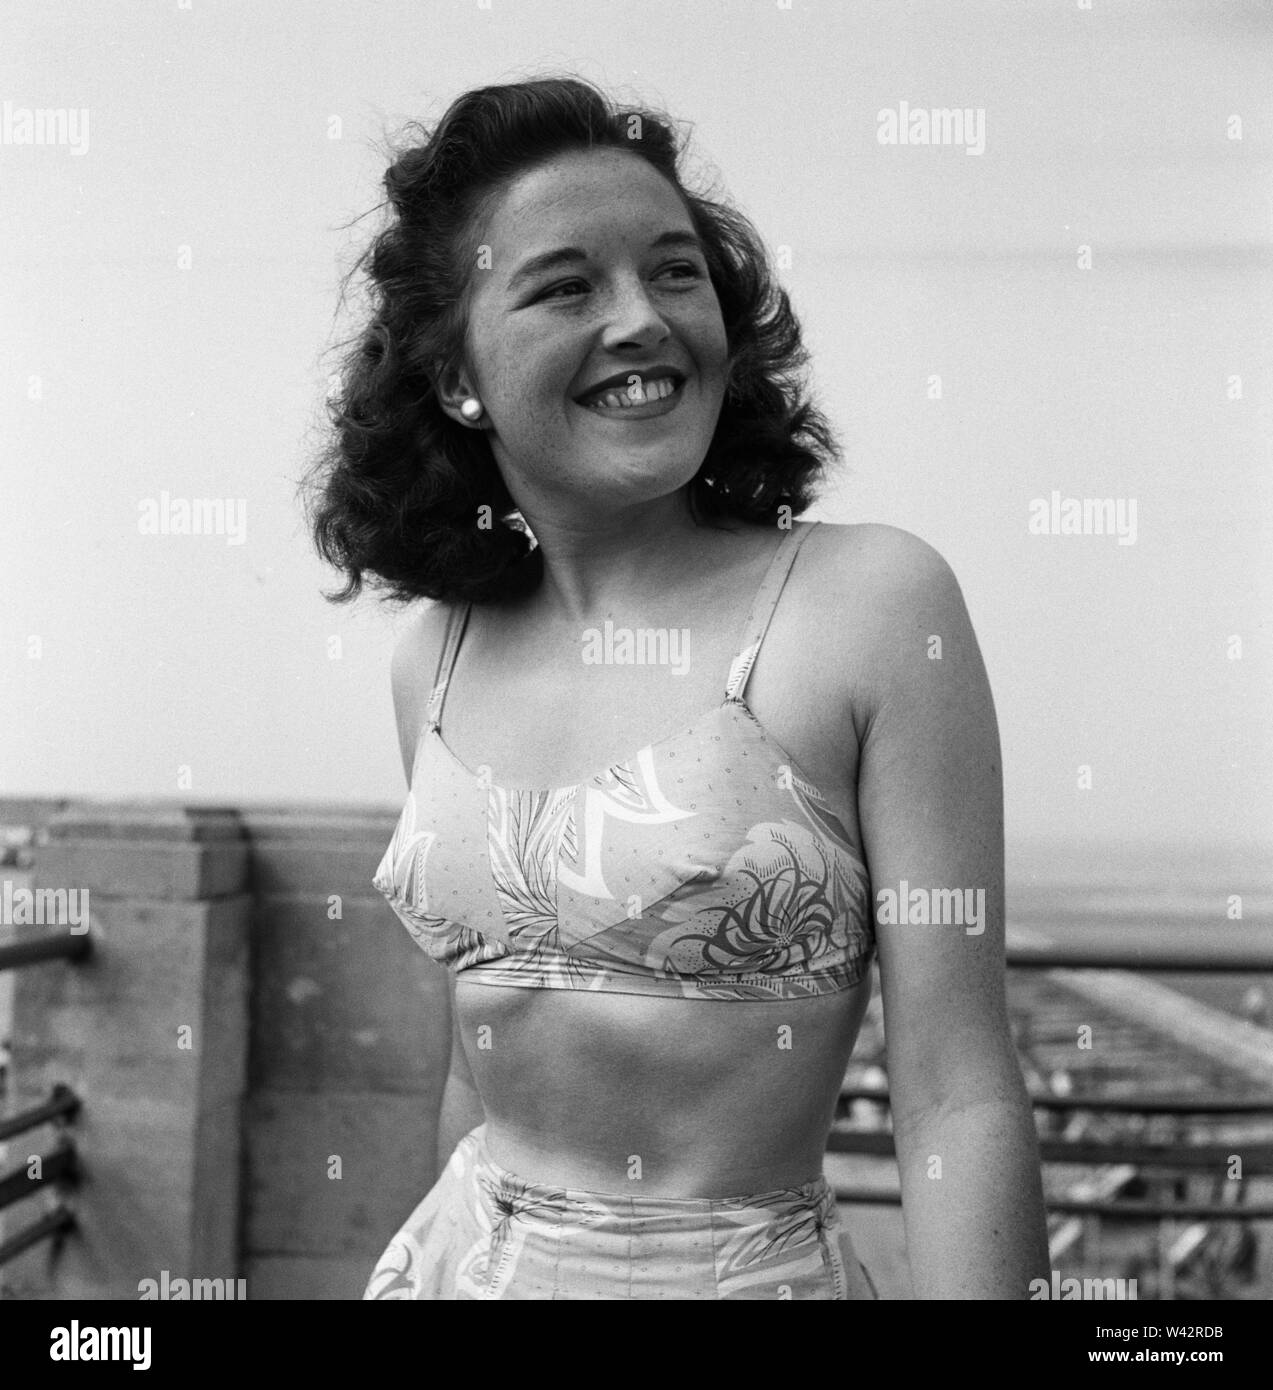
471,409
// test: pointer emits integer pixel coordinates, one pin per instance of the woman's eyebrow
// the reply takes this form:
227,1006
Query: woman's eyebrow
572,255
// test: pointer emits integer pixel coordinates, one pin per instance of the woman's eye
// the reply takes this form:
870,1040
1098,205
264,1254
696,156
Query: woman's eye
557,290
572,289
686,268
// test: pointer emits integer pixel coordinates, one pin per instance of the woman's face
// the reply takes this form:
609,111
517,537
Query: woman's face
593,277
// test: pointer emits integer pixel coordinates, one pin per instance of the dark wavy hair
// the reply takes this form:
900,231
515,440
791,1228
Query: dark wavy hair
396,492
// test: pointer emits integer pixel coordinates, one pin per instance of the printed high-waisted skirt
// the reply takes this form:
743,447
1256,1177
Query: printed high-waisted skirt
483,1232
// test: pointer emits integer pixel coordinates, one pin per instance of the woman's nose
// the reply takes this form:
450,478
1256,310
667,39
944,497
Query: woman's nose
634,318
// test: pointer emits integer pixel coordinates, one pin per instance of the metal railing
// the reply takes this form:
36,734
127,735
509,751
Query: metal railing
59,1168
71,946
1159,1180
1257,1157
1207,953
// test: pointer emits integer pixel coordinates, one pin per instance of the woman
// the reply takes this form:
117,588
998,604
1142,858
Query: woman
656,761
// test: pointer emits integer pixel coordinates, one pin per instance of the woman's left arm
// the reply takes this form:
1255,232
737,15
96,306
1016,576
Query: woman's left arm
930,793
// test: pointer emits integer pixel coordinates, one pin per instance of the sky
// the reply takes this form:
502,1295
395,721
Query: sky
1079,307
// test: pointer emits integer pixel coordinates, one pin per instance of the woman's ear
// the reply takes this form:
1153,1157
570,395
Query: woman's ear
458,396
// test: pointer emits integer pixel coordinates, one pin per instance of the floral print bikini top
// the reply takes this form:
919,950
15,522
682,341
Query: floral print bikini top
704,866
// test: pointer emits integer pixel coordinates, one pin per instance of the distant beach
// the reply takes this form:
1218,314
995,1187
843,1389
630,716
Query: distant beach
1102,891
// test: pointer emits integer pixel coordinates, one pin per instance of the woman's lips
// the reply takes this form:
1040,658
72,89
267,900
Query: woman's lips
618,403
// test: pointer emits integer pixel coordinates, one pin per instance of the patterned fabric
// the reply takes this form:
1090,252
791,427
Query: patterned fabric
705,866
484,1233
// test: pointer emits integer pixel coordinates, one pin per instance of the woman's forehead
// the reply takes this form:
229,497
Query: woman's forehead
609,189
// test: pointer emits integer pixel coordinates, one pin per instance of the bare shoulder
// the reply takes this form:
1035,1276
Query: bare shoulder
882,561
892,594
416,653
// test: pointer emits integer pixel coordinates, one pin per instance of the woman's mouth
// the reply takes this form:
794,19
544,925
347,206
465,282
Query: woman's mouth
637,400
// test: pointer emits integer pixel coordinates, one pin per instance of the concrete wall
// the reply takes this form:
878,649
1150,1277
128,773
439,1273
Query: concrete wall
287,1133
344,1077
151,1032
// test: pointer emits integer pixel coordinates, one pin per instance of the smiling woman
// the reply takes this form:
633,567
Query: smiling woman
578,405
405,476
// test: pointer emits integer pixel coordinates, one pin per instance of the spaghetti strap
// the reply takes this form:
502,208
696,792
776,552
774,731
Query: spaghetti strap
762,610
457,622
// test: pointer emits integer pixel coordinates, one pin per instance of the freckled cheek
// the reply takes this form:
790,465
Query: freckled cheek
533,388
711,350
524,402
719,350
506,374
510,368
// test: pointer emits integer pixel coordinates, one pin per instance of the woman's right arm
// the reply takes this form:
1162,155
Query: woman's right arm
414,665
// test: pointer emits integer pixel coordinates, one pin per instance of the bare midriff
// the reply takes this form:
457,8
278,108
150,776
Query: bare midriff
651,1096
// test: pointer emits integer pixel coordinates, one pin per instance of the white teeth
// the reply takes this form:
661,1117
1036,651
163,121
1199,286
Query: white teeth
639,393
